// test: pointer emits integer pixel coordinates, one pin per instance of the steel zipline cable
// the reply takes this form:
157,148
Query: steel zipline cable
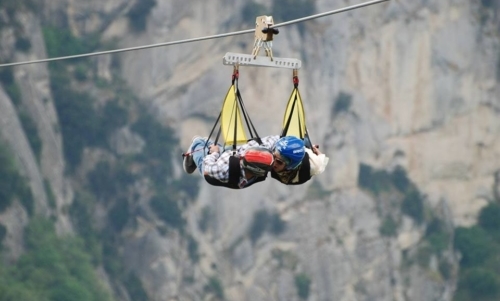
217,36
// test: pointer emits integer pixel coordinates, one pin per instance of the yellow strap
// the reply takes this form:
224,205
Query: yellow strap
297,126
231,118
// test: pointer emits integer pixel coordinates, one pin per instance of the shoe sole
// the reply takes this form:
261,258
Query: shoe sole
188,164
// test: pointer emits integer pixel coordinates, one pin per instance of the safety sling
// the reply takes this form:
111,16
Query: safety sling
294,119
230,123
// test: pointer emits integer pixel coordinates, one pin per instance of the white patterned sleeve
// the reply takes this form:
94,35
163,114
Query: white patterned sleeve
217,166
318,162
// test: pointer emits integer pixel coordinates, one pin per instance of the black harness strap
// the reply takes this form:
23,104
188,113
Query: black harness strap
303,136
239,104
234,171
235,82
248,121
234,159
307,140
234,176
212,131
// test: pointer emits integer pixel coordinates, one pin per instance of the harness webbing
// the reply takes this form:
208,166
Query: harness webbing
241,107
289,119
248,121
303,135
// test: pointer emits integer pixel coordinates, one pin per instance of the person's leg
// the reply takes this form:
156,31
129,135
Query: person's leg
199,151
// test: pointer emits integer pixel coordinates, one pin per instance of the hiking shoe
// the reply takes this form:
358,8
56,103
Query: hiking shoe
188,163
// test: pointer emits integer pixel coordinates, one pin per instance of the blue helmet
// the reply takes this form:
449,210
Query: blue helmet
292,150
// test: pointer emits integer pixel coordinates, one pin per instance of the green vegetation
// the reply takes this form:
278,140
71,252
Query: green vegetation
389,227
474,245
10,85
104,244
193,249
25,196
81,124
498,68
158,138
61,42
188,184
376,181
62,268
204,219
168,211
380,181
11,6
424,254
480,258
413,205
263,221
31,132
489,220
286,10
12,184
84,123
393,191
107,181
315,191
23,44
481,283
252,10
215,287
51,198
14,92
445,268
52,268
118,215
113,116
3,232
277,225
138,14
134,288
111,258
81,72
81,212
160,143
342,103
259,225
437,235
302,283
488,3
400,180
286,259
77,117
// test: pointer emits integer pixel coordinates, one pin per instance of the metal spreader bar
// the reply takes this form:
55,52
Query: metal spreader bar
240,59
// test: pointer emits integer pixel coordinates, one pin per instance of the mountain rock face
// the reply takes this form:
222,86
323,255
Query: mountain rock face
406,86
47,171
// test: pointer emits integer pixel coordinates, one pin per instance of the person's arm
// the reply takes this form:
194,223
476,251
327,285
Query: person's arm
317,160
216,165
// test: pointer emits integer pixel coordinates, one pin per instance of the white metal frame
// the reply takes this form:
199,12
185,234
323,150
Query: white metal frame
240,59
